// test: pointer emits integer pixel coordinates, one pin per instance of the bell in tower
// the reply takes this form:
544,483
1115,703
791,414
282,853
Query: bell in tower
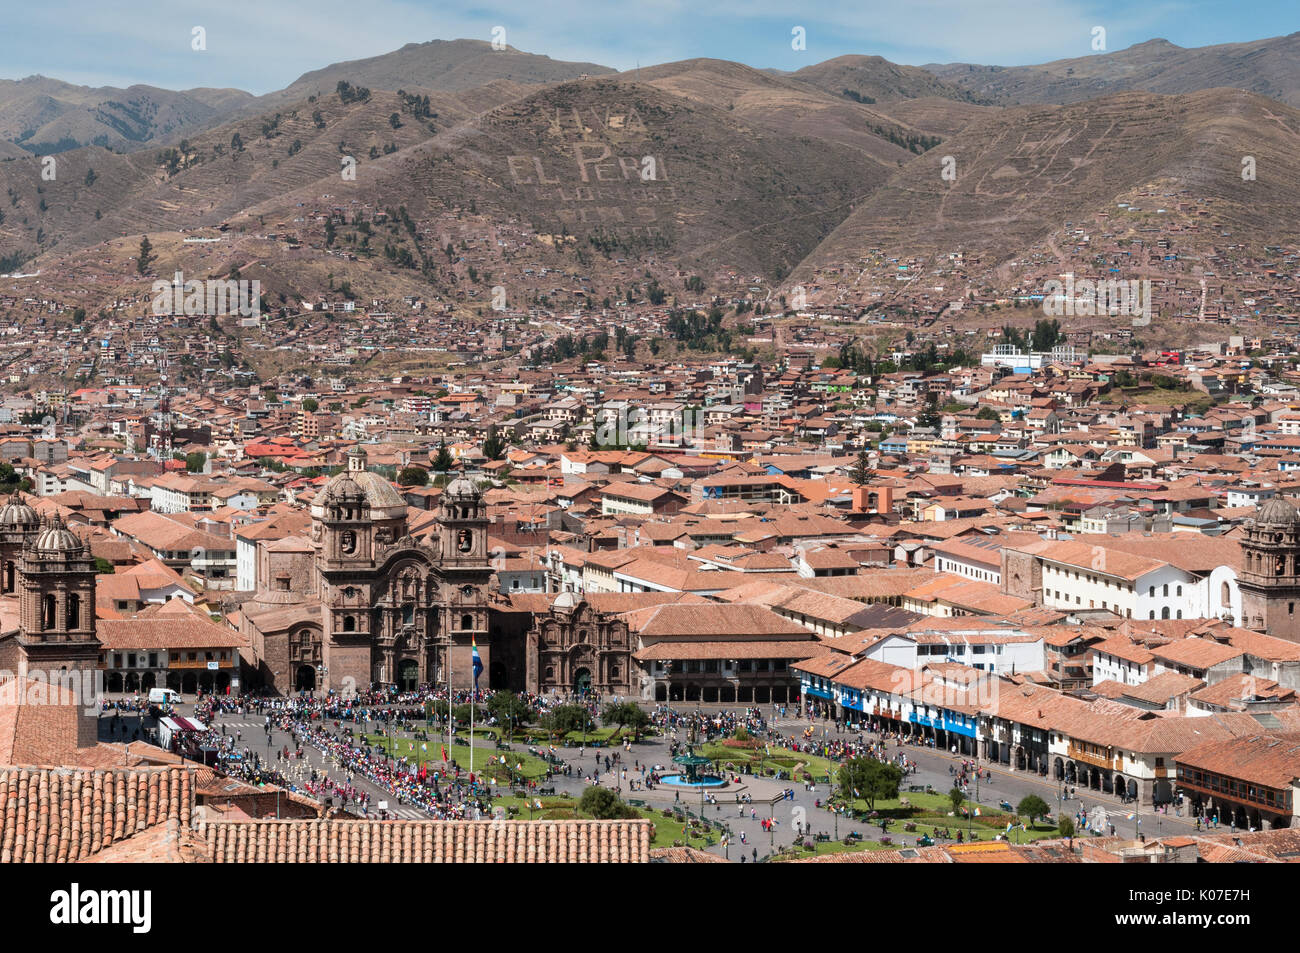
463,518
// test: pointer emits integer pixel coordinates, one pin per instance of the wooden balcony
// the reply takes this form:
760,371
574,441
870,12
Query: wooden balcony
200,663
1078,753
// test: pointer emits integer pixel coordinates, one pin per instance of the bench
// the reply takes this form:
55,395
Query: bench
546,792
823,838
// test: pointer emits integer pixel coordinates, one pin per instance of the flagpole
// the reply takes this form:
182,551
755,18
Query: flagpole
448,752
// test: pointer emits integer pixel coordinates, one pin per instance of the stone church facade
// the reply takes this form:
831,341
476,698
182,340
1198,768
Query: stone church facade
575,648
363,601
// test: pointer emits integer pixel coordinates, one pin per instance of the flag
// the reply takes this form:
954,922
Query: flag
478,662
1129,816
855,793
424,746
977,812
537,803
1008,827
444,752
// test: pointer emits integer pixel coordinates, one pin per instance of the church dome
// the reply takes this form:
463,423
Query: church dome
17,514
380,496
343,486
461,489
55,537
1278,511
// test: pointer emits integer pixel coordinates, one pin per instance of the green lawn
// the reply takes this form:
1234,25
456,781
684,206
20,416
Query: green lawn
668,830
601,734
774,759
930,812
531,768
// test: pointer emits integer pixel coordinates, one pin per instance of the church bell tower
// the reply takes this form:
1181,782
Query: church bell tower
1270,575
57,603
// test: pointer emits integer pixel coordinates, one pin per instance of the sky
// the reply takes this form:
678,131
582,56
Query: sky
263,45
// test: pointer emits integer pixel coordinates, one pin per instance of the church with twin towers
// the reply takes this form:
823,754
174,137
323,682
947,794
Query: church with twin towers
364,602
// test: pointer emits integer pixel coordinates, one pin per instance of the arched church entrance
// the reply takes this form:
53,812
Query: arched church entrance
582,681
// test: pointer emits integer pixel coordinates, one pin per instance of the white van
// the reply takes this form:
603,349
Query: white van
164,696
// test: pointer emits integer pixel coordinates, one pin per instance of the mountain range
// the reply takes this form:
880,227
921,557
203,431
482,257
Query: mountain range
698,167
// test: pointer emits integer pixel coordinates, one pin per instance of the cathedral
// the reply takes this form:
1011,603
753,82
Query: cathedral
363,601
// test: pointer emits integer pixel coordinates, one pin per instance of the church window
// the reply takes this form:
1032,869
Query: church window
467,621
1225,594
408,614
47,612
349,623
74,611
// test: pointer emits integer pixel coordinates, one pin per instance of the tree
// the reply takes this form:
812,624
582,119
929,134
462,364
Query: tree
236,143
443,462
103,566
604,805
930,416
566,718
988,413
1033,807
144,262
1066,826
955,797
862,469
310,404
626,715
510,709
494,447
869,779
413,476
195,461
1047,334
